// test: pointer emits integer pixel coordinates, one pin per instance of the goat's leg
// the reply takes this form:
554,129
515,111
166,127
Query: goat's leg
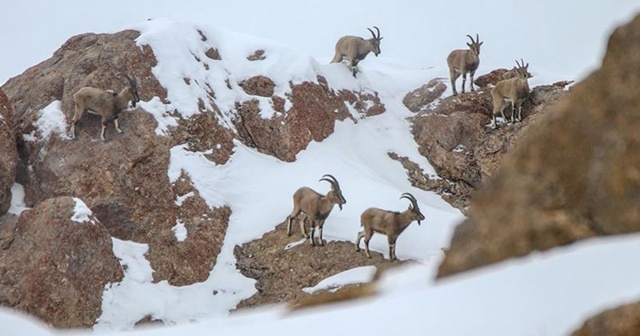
367,238
320,226
115,123
464,81
78,113
520,112
392,248
471,78
358,239
104,127
303,229
289,219
312,234
453,75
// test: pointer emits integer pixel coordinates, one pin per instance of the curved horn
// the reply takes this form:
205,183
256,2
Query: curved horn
378,30
132,81
372,33
329,178
411,198
477,38
518,64
472,41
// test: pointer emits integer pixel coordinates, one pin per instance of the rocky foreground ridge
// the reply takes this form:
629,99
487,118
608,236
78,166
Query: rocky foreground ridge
520,195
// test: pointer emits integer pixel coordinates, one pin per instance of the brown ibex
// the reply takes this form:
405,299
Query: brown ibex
315,207
513,90
389,223
106,104
463,62
354,49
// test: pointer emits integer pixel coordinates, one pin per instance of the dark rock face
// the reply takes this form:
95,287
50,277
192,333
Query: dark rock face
8,153
56,268
573,176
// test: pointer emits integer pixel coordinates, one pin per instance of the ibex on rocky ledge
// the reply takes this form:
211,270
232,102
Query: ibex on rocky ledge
315,207
461,62
106,104
389,223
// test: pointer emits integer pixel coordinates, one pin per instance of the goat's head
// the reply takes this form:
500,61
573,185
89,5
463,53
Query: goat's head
335,195
522,70
415,210
133,89
475,45
375,41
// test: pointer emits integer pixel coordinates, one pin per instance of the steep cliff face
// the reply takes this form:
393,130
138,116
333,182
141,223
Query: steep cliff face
8,153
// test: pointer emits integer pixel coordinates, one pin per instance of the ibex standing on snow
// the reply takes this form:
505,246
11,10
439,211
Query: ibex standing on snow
354,49
315,207
461,62
513,90
389,223
107,104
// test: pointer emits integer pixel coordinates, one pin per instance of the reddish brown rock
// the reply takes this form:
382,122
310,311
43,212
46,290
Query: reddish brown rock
258,55
424,95
574,175
621,321
56,268
258,86
454,135
8,153
124,180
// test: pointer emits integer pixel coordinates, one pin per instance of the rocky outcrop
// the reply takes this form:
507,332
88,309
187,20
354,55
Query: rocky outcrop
421,97
124,180
573,176
454,136
622,321
8,153
55,267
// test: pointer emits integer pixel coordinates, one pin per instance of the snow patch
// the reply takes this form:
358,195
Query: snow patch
82,213
180,231
51,120
17,200
353,276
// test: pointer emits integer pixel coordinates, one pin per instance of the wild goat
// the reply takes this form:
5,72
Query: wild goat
315,207
513,90
389,223
106,104
354,49
461,62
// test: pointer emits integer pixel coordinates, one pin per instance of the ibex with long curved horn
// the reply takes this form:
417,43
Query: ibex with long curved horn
354,49
463,62
315,207
389,223
107,104
513,90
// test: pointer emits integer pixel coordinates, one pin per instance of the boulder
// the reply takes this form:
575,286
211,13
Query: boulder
424,95
8,153
573,176
55,265
622,321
